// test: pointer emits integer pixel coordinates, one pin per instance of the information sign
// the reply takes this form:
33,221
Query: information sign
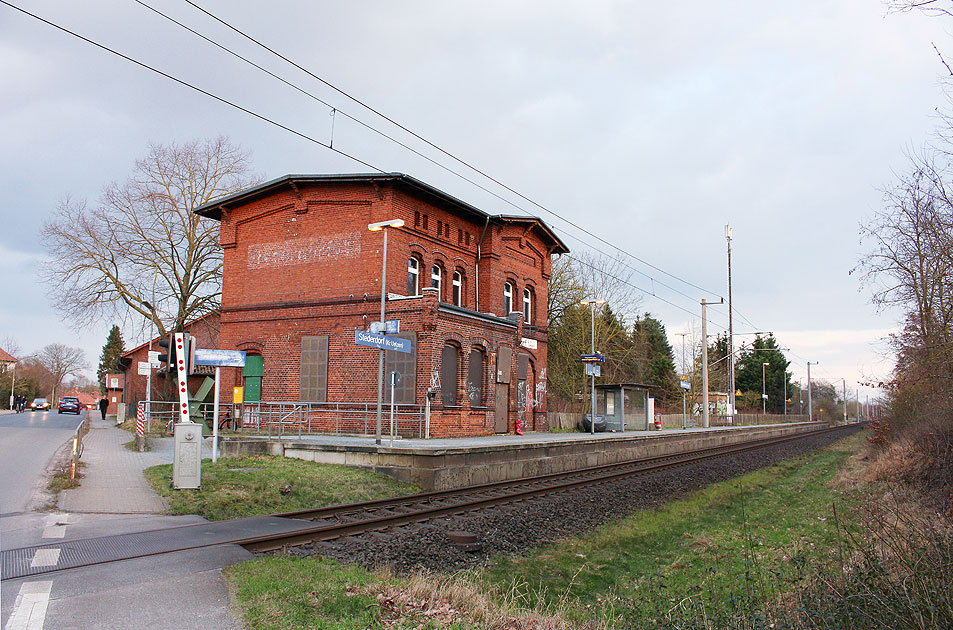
390,327
593,369
372,340
144,368
219,358
592,358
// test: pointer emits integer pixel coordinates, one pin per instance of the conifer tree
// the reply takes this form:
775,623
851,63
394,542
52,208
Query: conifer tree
109,359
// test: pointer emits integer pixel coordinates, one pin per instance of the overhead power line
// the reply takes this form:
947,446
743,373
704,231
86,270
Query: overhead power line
438,148
347,155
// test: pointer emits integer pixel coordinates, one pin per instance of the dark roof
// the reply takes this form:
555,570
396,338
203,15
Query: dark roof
439,198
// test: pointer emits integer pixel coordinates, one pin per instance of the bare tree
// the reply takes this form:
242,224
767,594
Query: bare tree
61,361
141,249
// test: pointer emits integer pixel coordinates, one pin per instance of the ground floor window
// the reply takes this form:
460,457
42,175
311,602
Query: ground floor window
404,364
475,369
449,363
313,385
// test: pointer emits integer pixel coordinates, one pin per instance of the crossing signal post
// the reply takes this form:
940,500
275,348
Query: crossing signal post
167,358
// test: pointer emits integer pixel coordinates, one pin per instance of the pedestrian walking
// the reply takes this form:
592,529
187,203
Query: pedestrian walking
103,406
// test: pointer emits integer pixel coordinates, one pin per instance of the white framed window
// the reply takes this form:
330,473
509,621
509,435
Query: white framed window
527,305
507,298
435,277
413,276
457,288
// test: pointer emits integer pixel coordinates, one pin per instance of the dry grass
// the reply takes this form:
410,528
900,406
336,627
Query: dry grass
442,600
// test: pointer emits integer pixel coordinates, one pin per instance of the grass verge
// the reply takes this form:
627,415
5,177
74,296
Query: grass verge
727,556
235,487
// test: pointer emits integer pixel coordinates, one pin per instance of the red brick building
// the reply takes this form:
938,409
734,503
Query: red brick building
302,274
204,330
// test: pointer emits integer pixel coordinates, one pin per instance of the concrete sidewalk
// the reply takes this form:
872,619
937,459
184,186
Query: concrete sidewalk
113,482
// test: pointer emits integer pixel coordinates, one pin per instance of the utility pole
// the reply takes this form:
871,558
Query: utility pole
810,407
844,381
785,393
684,411
731,341
705,417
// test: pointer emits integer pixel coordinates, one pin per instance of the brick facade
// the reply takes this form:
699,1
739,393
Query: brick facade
300,262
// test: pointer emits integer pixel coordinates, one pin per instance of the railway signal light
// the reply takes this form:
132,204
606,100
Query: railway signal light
167,359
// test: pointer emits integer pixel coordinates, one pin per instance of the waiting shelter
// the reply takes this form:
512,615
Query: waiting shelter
626,406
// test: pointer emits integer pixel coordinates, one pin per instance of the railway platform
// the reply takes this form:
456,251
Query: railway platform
445,463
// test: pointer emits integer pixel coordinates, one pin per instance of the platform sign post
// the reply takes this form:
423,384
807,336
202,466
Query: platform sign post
219,359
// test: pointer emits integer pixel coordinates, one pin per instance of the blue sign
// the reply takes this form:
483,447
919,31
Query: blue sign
592,358
219,358
372,340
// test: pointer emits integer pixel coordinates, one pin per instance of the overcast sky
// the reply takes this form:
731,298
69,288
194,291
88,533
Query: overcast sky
652,125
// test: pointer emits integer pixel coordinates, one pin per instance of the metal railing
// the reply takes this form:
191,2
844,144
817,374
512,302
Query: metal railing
296,418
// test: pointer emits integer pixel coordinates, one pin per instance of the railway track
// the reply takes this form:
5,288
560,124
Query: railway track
288,529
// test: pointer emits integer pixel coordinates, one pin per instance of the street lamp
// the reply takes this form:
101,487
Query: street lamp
378,227
592,310
764,393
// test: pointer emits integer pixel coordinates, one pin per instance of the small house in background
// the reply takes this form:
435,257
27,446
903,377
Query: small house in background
6,361
114,388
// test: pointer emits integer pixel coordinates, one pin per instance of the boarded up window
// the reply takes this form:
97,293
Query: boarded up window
522,367
504,357
449,362
314,369
475,377
406,364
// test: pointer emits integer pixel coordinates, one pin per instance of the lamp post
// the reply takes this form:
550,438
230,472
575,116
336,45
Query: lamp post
764,391
378,227
810,406
592,348
684,410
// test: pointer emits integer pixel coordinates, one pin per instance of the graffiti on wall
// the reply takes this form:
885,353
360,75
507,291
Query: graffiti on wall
303,251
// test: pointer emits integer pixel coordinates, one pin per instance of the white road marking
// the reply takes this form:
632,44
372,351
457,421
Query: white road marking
45,558
54,531
56,525
29,611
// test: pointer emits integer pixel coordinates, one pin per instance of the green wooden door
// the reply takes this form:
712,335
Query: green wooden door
252,373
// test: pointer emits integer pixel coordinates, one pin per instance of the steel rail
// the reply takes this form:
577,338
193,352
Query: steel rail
526,489
377,523
335,511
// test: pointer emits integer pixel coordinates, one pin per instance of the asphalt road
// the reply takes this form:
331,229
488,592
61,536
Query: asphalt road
28,441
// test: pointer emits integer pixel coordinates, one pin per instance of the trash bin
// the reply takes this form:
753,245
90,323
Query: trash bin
600,423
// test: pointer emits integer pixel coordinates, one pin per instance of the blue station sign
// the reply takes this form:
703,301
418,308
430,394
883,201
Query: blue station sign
374,340
219,358
592,358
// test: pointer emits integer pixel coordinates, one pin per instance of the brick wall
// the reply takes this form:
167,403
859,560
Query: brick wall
300,261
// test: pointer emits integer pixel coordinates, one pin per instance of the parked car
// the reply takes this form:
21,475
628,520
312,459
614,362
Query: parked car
69,404
40,404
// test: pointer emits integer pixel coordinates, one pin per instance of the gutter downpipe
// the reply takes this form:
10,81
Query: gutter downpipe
478,256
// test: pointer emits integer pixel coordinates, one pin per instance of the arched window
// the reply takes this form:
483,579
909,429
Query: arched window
413,276
435,276
527,305
507,298
449,364
457,288
475,370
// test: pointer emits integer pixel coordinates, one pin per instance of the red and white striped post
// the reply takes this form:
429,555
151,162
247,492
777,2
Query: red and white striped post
140,427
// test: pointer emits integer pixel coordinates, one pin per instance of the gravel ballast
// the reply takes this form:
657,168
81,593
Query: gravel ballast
517,527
